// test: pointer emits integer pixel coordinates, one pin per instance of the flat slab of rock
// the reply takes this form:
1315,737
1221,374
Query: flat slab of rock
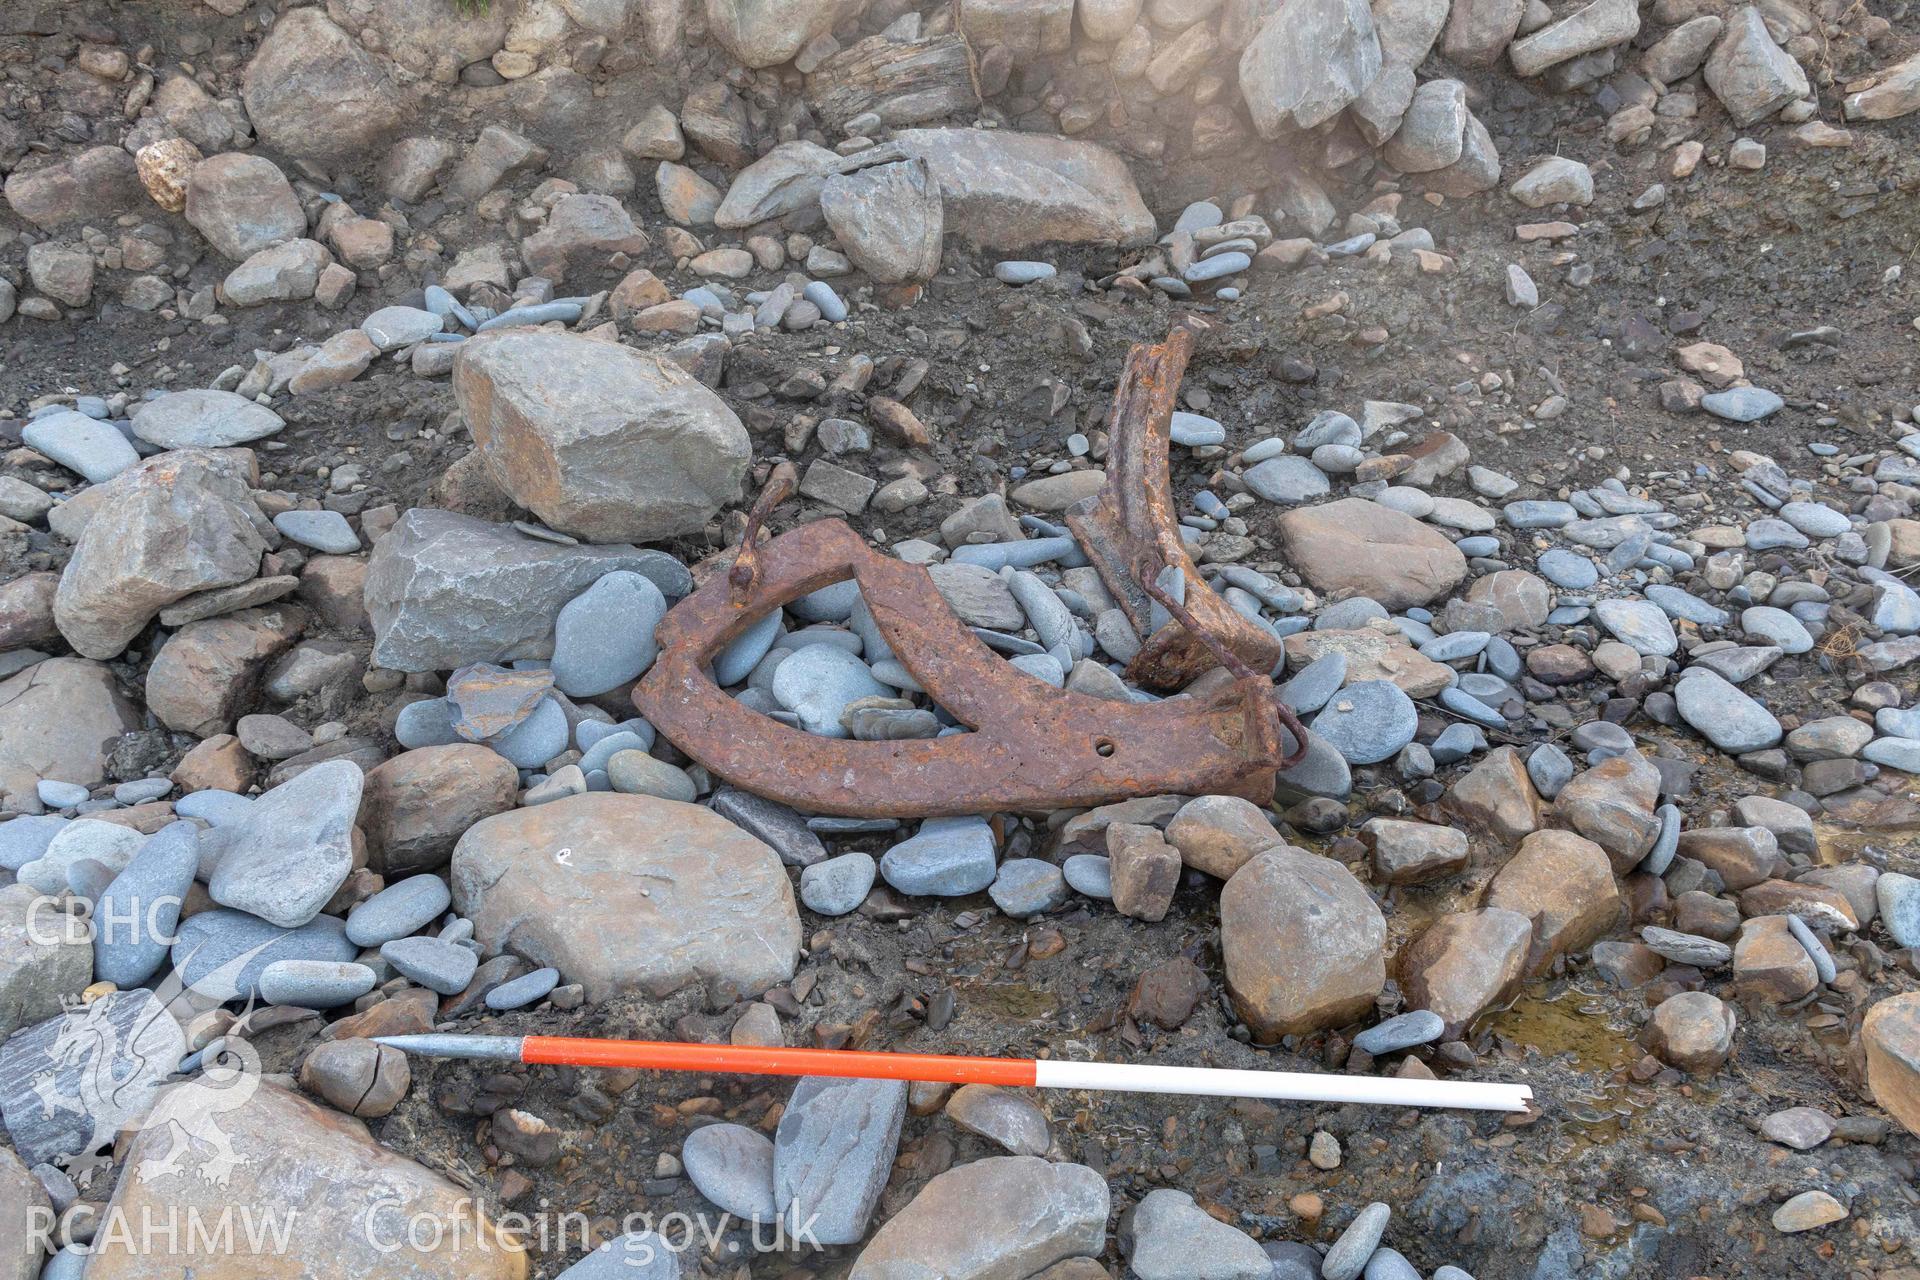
833,1154
294,849
652,895
1006,191
444,589
60,719
354,1195
599,440
1003,1216
67,1058
1366,549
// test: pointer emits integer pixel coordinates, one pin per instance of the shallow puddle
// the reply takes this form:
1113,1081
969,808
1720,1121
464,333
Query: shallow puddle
1586,1033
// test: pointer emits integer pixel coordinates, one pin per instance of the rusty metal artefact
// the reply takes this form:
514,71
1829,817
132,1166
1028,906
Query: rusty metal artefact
1031,746
1131,533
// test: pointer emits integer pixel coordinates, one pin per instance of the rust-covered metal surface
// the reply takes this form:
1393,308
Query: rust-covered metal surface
1033,747
1030,746
1131,532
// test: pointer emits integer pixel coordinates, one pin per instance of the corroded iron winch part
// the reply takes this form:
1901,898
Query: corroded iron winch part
1032,747
1131,532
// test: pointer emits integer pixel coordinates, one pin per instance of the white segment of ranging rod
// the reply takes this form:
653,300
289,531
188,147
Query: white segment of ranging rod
1053,1073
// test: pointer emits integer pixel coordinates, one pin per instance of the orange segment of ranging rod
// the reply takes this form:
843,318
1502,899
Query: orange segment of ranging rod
748,1060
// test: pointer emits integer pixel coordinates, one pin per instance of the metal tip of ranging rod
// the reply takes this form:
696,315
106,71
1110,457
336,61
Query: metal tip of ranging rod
444,1045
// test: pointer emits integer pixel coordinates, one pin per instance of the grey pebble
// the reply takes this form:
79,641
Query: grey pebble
947,857
838,885
1090,874
732,1166
528,988
1368,722
316,984
1403,1031
1348,1256
445,967
1028,887
402,908
324,531
603,637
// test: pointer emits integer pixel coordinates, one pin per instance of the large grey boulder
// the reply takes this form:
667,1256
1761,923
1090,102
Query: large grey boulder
444,590
313,93
59,719
1003,1216
1751,75
242,204
1307,62
889,219
599,440
1008,191
431,38
294,849
833,1154
765,33
176,524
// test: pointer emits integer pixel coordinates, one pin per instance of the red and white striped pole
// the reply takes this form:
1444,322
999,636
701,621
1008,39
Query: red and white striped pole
1045,1073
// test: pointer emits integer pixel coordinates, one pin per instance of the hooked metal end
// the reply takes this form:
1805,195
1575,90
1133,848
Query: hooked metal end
446,1045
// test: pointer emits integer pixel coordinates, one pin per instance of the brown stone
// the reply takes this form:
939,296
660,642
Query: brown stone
1703,914
1414,852
1769,961
1891,1037
1522,599
1558,664
1743,856
1373,654
1611,804
1087,832
358,1077
1144,870
1218,834
1819,906
60,719
1301,940
1363,548
218,764
1497,797
409,1012
206,672
416,806
1167,994
1564,884
637,291
333,587
26,612
1692,1031
1466,964
289,1152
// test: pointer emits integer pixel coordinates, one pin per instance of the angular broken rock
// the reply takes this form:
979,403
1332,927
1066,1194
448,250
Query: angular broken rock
174,525
1612,804
1007,191
1302,943
242,204
60,719
1751,75
1599,25
712,903
833,1154
582,230
1891,1036
1564,884
765,33
356,1198
1003,1216
444,590
416,806
41,963
888,219
1497,797
1467,963
785,180
207,670
1307,62
1363,548
599,440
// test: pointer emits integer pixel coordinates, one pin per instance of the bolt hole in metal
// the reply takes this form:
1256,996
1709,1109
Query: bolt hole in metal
1103,747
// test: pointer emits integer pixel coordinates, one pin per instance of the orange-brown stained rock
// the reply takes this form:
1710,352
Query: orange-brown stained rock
1611,804
1891,1035
1497,797
1302,943
207,669
1466,964
1219,834
418,804
1692,1031
1361,547
1563,884
1818,905
342,1199
1373,655
1769,961
1144,870
1744,856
